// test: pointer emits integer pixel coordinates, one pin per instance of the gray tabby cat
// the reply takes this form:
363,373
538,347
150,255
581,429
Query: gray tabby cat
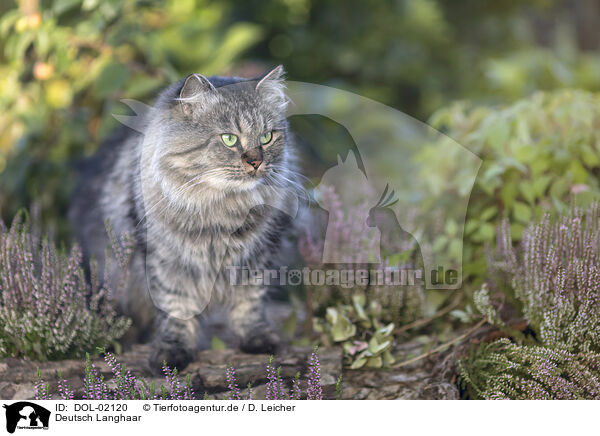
193,190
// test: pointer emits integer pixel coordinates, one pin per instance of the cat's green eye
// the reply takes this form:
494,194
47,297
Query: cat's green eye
266,138
229,139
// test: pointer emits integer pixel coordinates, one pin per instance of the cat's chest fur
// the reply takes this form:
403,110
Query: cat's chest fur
197,238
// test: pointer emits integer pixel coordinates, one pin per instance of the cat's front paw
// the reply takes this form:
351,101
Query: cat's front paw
261,340
174,355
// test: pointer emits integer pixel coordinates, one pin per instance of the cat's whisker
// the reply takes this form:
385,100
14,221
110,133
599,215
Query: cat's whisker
290,184
293,173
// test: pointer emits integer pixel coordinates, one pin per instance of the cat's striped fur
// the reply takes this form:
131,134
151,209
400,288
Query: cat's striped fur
195,207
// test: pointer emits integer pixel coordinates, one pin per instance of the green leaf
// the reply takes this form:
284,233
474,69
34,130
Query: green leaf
358,302
493,171
508,192
526,153
358,363
522,212
388,359
374,362
61,6
385,331
488,213
331,315
8,20
376,347
560,188
578,171
498,133
342,329
451,227
141,85
527,189
400,258
112,78
540,184
485,232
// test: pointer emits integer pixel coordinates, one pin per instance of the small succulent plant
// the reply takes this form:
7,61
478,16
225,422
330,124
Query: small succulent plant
366,341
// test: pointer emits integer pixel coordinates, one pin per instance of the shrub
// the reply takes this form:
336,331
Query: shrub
504,370
539,154
47,308
556,279
64,66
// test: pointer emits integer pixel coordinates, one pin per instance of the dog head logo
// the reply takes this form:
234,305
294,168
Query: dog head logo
26,415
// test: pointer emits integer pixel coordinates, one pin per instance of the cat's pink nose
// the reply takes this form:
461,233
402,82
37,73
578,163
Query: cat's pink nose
255,163
252,159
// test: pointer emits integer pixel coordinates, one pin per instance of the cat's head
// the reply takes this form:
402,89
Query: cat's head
231,137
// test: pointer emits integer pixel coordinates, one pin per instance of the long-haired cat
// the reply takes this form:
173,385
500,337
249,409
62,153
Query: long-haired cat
192,189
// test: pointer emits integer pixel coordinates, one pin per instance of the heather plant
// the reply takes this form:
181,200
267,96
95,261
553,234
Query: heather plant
296,390
64,391
338,387
42,390
234,390
177,390
276,388
505,370
555,274
556,281
94,386
272,381
123,386
126,386
47,308
125,382
315,391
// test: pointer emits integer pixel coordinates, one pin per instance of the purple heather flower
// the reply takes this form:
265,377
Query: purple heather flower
128,387
234,390
296,391
315,391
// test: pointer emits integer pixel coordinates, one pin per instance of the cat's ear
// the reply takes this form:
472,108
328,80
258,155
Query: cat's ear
272,89
275,74
195,84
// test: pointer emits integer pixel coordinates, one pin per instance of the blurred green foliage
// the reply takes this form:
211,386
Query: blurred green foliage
416,55
539,154
65,64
